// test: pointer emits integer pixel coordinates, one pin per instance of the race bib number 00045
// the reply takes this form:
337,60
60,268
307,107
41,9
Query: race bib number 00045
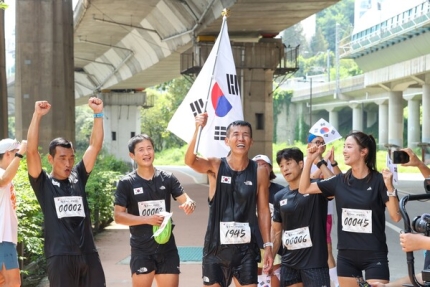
69,206
357,220
235,232
152,207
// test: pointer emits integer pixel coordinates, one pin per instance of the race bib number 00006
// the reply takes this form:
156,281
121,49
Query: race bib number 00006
235,232
297,238
69,206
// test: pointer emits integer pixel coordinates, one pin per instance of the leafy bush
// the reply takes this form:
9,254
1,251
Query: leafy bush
172,156
100,189
30,220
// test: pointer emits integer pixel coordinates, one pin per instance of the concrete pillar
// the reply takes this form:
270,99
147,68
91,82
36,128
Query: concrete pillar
121,121
258,62
333,118
395,118
45,68
371,118
3,89
357,117
426,113
258,109
383,123
286,123
413,123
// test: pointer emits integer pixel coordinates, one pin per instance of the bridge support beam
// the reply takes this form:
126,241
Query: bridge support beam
3,85
333,118
413,122
426,113
371,118
121,121
382,123
256,75
258,108
44,68
395,118
357,117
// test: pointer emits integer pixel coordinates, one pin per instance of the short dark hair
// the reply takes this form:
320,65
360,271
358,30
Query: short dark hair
137,139
62,142
288,154
241,124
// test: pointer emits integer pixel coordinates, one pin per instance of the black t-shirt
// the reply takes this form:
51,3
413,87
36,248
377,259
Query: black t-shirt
146,197
302,216
273,189
235,200
360,206
67,221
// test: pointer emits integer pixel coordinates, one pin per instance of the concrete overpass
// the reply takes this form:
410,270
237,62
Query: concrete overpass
122,47
136,44
396,61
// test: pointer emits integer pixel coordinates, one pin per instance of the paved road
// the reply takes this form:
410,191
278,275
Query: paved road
114,249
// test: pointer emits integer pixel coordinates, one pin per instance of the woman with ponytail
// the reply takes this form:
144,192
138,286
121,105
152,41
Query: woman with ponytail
362,194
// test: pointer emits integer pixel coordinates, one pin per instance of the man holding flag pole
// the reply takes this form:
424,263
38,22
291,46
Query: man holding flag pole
237,186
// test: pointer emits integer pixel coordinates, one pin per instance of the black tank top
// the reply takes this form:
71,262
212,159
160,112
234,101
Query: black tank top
235,199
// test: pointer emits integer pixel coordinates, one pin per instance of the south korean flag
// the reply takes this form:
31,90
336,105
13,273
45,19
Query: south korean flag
226,179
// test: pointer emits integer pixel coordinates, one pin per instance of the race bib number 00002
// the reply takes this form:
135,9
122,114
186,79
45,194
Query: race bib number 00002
69,206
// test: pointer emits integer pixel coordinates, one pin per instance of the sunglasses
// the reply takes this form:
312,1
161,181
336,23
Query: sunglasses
319,142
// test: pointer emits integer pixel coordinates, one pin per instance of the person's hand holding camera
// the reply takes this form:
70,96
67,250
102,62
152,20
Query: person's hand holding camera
413,159
413,242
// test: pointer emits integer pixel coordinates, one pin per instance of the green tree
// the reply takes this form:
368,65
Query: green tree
11,127
83,127
294,36
341,13
318,42
178,89
281,98
155,120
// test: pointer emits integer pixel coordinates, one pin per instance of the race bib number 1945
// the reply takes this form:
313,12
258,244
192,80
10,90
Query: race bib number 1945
235,232
69,206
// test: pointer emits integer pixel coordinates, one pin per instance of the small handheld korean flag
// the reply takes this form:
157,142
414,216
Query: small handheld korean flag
324,129
215,91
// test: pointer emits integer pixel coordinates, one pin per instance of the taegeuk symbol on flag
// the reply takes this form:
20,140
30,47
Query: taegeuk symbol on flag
324,129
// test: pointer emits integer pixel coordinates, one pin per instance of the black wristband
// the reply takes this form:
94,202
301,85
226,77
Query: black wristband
19,155
321,162
334,163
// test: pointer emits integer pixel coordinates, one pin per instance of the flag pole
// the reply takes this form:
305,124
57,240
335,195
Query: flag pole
225,13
